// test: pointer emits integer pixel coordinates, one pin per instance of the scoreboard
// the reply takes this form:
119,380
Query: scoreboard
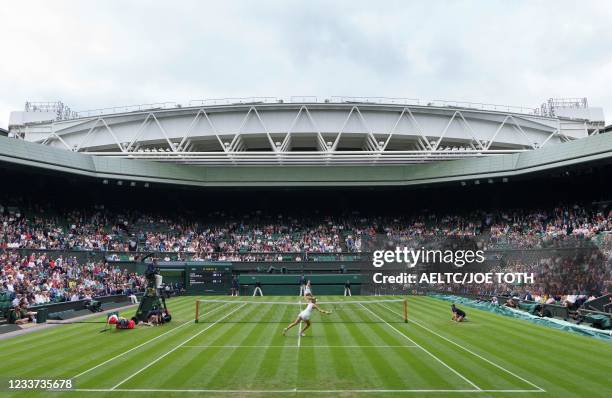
199,277
206,276
209,278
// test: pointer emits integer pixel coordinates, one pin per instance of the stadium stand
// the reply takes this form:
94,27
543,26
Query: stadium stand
69,239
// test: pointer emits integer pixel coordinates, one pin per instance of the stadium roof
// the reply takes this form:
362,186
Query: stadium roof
306,131
590,149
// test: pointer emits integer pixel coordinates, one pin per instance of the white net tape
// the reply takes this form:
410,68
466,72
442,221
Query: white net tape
302,302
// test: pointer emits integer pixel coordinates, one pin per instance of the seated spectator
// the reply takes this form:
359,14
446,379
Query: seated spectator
22,315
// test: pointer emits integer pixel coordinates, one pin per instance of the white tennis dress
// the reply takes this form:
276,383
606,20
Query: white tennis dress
305,314
307,291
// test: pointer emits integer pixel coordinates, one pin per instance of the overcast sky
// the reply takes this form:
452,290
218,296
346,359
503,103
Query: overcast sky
108,53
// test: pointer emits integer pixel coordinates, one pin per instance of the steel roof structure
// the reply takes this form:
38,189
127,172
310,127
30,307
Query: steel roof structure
590,150
301,131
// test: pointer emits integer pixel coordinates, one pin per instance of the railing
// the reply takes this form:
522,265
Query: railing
126,109
246,256
297,99
365,255
485,107
83,255
236,100
379,100
307,157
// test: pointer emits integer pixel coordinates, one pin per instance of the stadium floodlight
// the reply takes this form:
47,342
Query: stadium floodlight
490,181
119,182
146,185
477,182
132,184
505,179
105,182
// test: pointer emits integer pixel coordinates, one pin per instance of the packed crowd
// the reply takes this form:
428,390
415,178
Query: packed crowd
561,276
235,236
48,276
39,278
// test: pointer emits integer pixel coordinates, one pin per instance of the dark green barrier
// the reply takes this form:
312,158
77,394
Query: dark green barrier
531,308
322,284
80,304
41,315
276,279
599,321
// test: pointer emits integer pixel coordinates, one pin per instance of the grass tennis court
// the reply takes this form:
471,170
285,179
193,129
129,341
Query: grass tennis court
361,350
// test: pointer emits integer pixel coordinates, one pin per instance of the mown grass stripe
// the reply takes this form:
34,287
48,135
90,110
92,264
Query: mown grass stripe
566,365
473,367
504,330
279,368
231,370
433,356
268,335
516,349
114,371
115,355
343,359
174,349
365,332
85,337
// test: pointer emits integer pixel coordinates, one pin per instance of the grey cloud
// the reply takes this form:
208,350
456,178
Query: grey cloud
109,53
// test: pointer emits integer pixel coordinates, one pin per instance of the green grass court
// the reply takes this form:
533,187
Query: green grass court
237,350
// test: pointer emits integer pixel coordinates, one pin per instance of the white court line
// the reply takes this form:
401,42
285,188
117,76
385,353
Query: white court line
293,390
175,348
470,351
421,347
305,346
138,346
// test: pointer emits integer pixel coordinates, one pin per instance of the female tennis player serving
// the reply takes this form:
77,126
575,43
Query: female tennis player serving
305,315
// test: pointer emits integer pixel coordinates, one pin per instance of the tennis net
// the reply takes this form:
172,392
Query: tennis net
260,311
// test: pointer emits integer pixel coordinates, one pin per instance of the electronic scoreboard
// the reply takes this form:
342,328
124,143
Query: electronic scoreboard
209,278
199,277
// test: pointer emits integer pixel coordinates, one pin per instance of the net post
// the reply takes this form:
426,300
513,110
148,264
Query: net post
405,311
197,317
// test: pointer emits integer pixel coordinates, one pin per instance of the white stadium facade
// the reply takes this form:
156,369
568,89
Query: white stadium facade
306,130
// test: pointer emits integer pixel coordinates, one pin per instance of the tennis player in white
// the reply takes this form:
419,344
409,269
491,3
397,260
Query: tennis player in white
308,289
305,315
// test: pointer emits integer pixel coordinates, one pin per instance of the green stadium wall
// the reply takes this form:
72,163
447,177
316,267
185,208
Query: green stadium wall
288,285
590,149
